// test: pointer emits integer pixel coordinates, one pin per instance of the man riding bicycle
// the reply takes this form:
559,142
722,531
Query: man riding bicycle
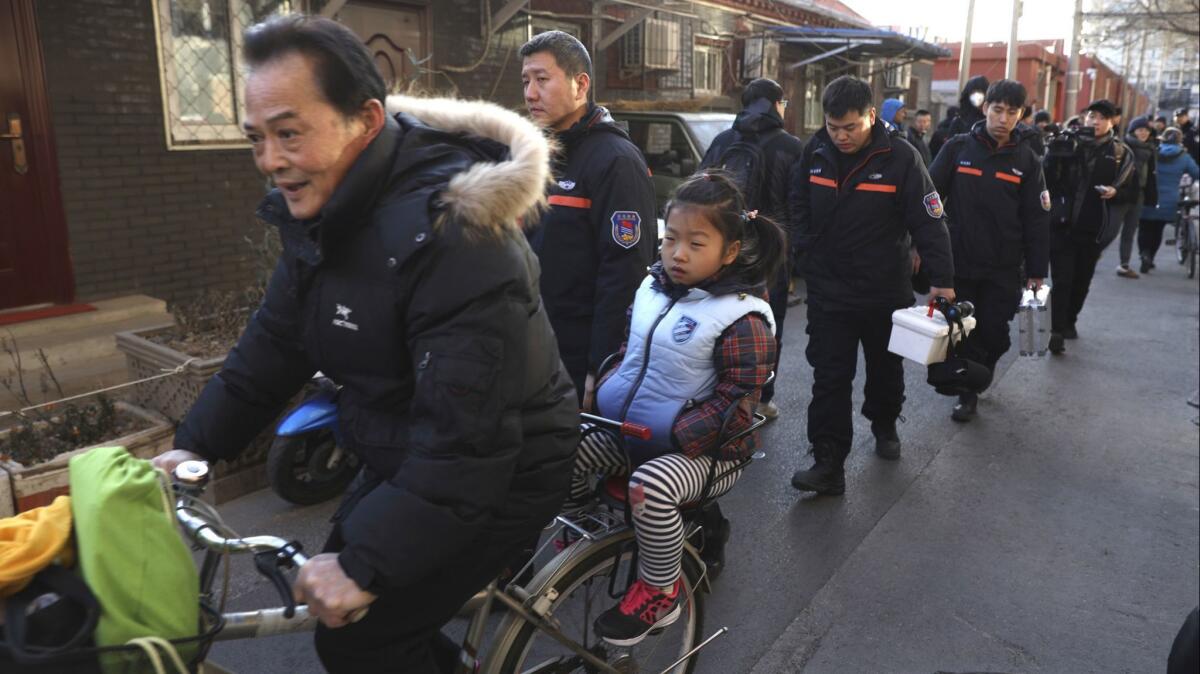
405,277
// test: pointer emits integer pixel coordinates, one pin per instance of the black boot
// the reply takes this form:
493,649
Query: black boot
715,530
887,441
964,410
1057,345
826,475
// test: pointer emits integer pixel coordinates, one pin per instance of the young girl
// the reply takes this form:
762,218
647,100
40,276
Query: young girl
701,336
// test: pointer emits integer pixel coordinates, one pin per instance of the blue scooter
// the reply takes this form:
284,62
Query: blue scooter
307,462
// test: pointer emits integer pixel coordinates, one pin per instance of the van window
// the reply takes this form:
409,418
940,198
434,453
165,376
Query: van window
666,148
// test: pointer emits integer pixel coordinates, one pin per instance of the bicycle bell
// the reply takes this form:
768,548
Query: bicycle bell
192,473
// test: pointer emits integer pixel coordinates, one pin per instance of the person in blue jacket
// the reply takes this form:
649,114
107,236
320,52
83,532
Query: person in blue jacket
892,111
1173,163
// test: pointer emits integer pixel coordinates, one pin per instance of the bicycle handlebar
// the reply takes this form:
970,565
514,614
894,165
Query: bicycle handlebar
190,479
627,428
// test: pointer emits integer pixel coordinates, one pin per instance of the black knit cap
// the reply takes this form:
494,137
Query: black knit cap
1104,107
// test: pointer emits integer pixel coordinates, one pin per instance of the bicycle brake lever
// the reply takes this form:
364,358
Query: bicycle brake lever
271,564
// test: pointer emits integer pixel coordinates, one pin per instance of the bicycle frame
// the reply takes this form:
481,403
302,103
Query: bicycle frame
533,608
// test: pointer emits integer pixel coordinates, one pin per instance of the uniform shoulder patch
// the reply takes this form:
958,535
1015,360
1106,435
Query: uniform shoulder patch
626,228
933,205
1045,200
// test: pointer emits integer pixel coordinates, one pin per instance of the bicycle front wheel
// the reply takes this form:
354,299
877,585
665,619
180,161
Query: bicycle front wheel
582,586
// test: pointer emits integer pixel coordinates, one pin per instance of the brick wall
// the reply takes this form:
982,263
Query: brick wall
140,218
458,41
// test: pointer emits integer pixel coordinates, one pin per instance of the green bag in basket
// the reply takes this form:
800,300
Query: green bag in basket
130,550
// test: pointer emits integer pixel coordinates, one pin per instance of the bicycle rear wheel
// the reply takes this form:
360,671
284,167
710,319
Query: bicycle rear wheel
1193,246
583,585
1181,243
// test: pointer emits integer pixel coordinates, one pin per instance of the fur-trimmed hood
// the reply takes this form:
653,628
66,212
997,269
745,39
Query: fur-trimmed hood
489,194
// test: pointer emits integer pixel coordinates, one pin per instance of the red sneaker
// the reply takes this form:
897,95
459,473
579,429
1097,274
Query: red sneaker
641,610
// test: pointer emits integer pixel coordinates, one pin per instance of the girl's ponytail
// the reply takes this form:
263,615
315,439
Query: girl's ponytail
769,246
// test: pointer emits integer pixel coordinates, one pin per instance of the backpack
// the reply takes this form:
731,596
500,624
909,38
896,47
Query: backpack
745,163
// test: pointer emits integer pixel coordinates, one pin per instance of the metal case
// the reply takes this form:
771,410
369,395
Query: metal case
1033,320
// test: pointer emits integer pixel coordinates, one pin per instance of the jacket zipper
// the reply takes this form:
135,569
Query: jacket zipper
637,383
859,167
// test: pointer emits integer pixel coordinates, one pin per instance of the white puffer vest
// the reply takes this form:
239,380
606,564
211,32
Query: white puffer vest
680,337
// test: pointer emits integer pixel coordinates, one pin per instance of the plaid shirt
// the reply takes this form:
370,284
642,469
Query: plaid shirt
744,358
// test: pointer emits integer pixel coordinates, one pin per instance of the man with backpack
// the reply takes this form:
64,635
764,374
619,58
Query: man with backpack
860,197
758,154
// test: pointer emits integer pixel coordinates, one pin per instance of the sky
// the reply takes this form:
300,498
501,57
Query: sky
947,19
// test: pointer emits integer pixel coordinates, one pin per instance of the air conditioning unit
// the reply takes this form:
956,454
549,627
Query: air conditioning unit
653,45
761,58
897,77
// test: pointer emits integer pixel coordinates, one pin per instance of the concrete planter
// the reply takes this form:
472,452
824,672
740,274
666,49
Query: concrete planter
170,396
26,487
174,396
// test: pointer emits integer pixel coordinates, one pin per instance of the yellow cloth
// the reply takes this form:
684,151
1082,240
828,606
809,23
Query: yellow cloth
32,540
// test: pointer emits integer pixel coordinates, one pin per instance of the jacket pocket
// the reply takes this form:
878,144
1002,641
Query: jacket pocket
456,394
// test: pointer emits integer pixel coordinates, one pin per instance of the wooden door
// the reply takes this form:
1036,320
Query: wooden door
34,262
396,35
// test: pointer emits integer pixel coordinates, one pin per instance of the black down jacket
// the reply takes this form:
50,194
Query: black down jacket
417,292
855,231
996,203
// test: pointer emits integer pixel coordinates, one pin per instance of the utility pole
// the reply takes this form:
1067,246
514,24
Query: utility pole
1123,94
1074,77
964,57
1010,72
1165,42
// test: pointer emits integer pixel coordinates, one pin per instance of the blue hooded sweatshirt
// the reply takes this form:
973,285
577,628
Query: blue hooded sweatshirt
888,112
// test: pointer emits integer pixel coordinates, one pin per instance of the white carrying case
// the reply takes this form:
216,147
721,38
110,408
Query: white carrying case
922,338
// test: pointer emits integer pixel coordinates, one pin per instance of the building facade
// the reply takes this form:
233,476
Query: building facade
134,175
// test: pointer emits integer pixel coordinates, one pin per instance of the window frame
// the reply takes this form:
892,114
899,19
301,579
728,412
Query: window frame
714,62
176,133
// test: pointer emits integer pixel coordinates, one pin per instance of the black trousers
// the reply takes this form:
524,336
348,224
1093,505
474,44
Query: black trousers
833,340
995,305
574,337
401,632
779,306
1072,266
1150,236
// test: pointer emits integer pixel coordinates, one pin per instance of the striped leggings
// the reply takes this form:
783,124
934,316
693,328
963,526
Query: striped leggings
656,489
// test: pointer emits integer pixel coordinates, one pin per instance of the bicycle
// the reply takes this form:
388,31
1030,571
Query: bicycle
1187,239
547,626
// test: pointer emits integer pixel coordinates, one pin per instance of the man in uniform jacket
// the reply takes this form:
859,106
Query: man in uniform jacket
1083,172
761,122
600,233
406,278
860,197
999,218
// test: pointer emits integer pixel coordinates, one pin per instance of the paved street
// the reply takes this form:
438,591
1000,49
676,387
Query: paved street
1056,533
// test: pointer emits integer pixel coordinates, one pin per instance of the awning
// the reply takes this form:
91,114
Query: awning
855,44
